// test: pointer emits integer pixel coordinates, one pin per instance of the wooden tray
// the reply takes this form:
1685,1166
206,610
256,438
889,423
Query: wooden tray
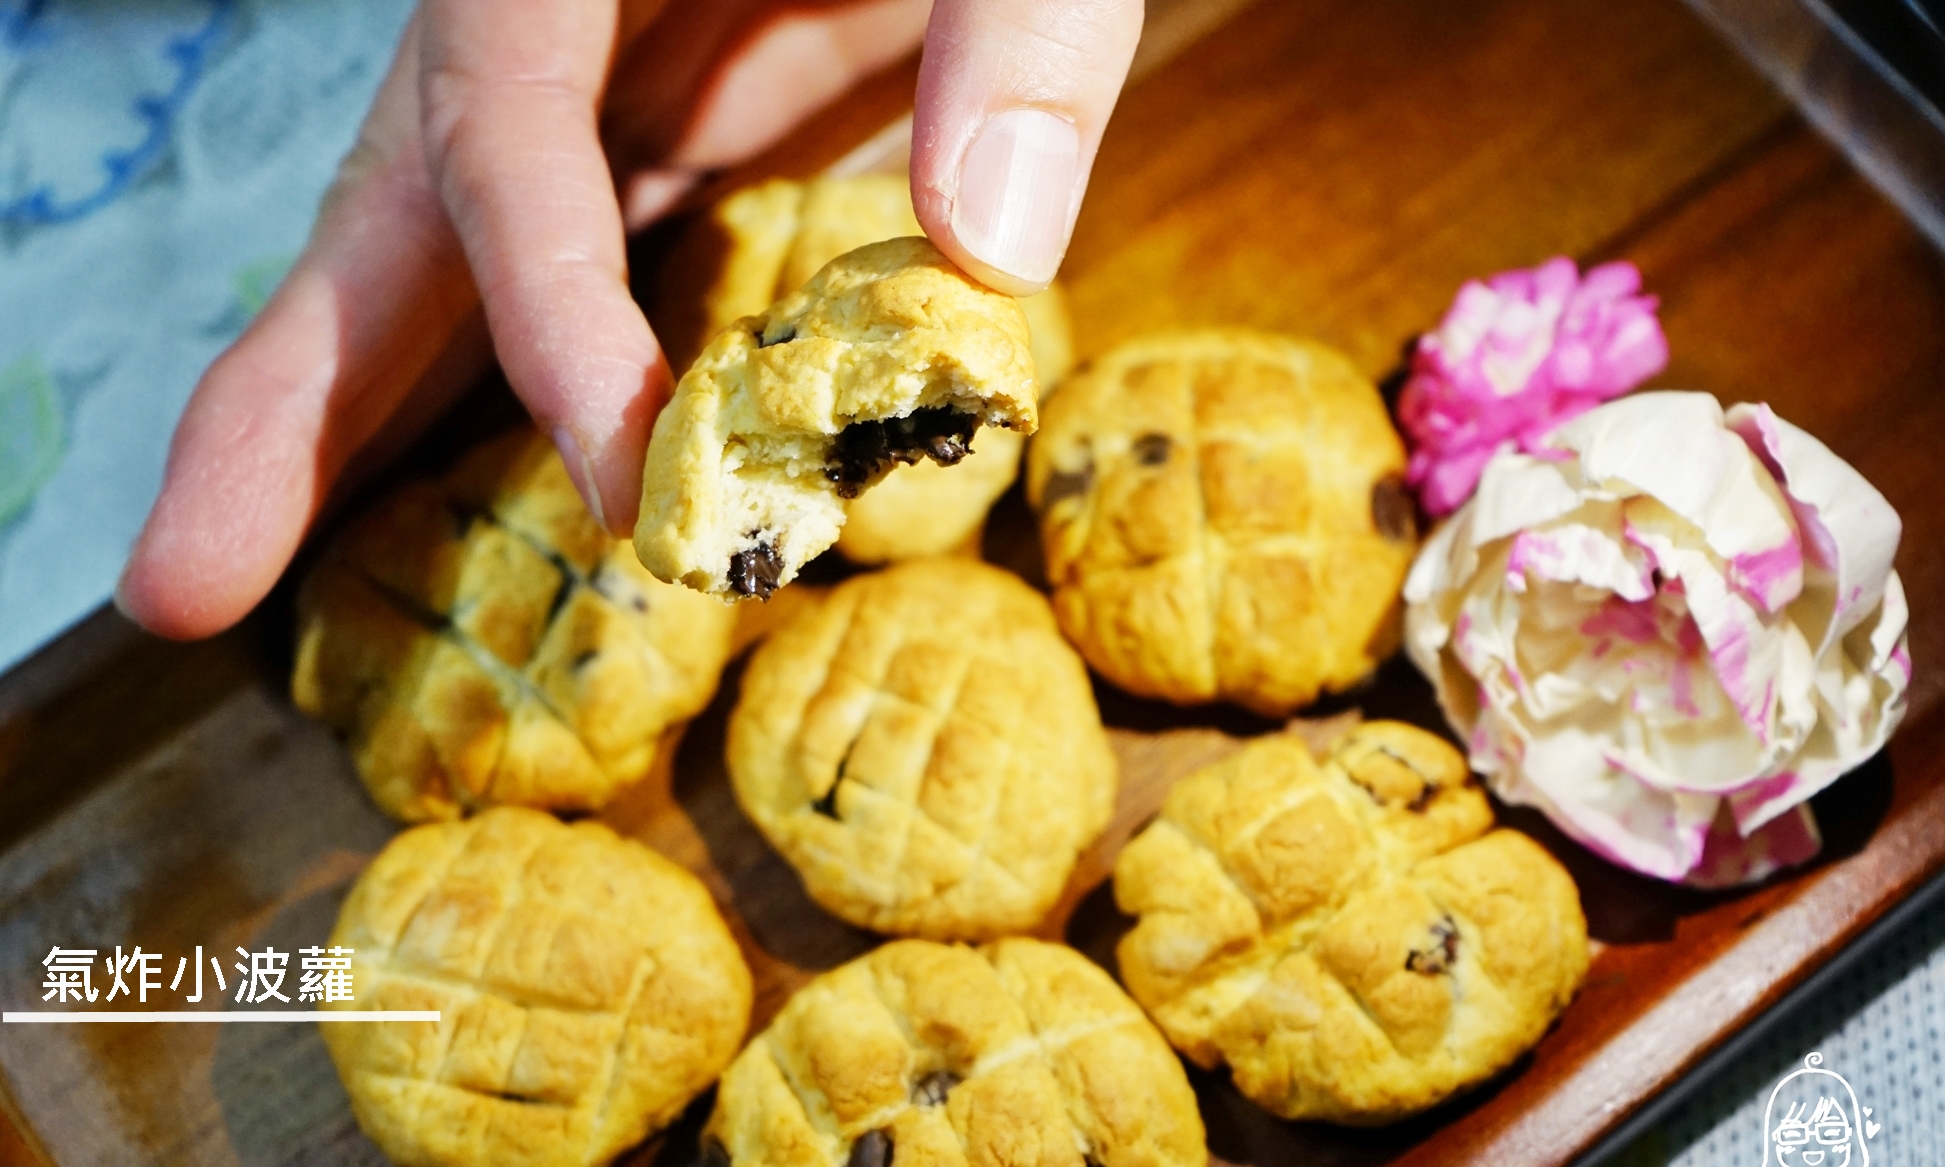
1325,167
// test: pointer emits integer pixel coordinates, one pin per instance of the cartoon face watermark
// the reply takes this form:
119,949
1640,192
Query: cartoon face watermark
1814,1120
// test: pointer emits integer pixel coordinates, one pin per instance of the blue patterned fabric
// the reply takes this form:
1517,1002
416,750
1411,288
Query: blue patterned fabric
160,164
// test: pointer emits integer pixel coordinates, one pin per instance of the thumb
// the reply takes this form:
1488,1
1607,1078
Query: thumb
1013,96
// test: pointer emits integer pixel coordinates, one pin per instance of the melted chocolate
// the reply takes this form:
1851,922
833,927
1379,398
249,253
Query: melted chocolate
866,450
756,570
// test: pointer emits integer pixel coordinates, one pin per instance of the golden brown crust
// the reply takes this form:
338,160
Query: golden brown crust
1020,1053
1353,938
1212,506
481,641
750,462
774,236
925,750
588,989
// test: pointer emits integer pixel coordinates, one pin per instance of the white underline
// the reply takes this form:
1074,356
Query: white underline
53,1018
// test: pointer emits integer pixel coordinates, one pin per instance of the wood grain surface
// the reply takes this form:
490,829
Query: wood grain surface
1332,168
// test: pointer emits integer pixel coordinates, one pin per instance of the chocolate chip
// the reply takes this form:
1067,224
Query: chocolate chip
714,1154
948,449
756,570
865,451
1066,484
1442,954
1392,510
582,660
932,1089
873,1149
783,335
1152,449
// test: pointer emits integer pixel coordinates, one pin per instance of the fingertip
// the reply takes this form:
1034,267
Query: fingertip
182,587
605,443
1013,98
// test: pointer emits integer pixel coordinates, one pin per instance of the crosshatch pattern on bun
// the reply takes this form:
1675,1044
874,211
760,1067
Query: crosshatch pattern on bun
480,640
1224,517
925,750
1354,938
922,1054
588,990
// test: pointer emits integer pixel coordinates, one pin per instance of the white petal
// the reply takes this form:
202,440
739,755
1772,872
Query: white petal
1516,492
1850,531
1674,448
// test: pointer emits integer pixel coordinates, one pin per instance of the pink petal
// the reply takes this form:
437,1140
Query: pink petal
1731,860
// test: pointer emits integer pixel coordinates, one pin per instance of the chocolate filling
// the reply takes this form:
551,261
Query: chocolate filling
1392,510
873,1149
932,1089
756,570
1152,449
866,450
1441,955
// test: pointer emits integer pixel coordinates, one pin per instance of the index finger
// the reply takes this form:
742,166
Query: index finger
510,92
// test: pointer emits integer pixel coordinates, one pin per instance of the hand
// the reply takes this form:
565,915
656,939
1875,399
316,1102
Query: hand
507,149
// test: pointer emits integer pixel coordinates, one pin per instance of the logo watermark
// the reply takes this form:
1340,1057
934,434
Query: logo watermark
1814,1120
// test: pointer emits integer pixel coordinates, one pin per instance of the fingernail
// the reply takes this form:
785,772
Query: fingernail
581,471
121,597
1016,192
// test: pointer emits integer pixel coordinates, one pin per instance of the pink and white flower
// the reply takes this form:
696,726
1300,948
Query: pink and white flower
1516,356
1667,628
